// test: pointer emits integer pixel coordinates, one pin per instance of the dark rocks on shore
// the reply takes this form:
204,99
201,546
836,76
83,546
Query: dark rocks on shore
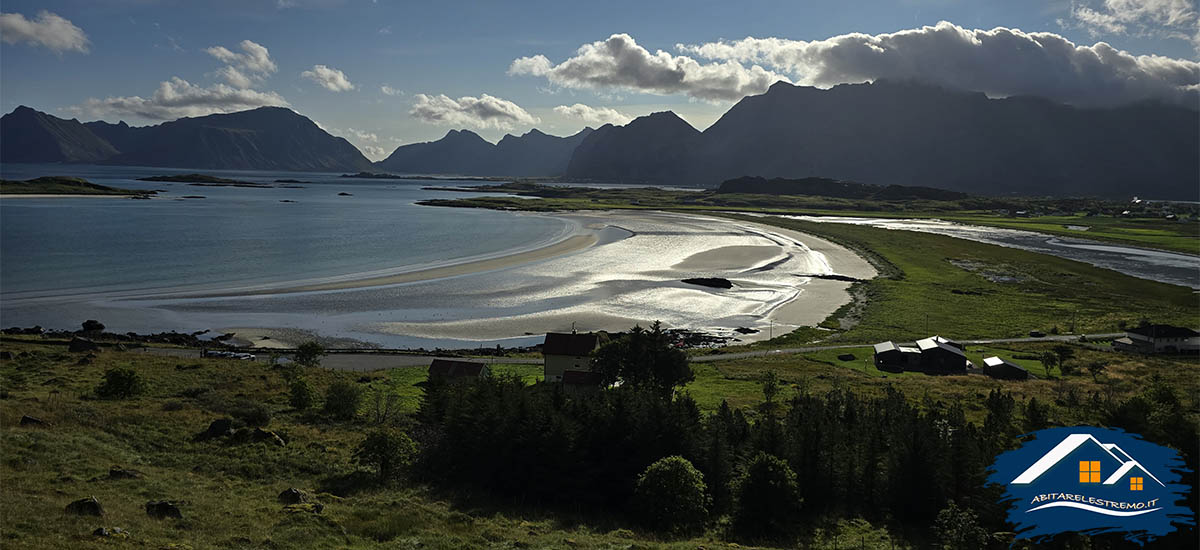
161,509
86,507
711,282
287,200
80,344
833,277
345,194
92,325
745,330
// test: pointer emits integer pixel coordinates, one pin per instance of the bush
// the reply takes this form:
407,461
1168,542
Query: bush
387,452
255,415
121,383
768,500
958,528
342,400
670,496
302,396
309,354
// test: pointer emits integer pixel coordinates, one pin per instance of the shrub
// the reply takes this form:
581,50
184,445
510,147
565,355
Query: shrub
309,354
255,415
670,496
302,395
342,400
958,528
387,452
768,499
121,383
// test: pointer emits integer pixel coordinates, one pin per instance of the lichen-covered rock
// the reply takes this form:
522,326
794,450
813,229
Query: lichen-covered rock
292,495
86,507
161,509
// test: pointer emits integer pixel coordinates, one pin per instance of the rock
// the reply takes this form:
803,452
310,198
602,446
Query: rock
92,325
116,532
292,495
27,420
221,427
80,344
345,194
86,507
711,282
117,472
260,435
6,355
744,330
161,509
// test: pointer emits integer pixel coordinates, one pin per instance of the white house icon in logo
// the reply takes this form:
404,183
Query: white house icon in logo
1090,470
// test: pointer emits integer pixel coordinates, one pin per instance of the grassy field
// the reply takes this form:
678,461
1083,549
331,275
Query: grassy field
53,185
933,284
1147,228
227,493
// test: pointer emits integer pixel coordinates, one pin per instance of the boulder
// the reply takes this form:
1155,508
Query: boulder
80,344
711,282
260,435
27,420
92,325
221,427
117,472
161,509
292,495
115,532
86,507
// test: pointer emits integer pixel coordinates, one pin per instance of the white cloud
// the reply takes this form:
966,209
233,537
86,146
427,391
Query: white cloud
620,63
484,111
245,69
597,115
375,152
48,30
1000,62
388,90
179,98
1166,18
329,78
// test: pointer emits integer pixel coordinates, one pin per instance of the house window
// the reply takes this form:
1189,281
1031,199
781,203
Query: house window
1089,471
1135,484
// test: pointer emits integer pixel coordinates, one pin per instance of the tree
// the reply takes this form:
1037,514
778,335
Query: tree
768,499
1065,353
342,400
1095,368
1037,415
302,395
670,496
1049,360
309,354
958,529
387,452
121,383
644,359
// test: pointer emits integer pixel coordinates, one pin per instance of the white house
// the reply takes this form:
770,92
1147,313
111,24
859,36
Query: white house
569,352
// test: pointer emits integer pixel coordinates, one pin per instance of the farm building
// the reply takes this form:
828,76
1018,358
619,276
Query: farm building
453,371
569,352
941,356
1159,339
893,358
996,367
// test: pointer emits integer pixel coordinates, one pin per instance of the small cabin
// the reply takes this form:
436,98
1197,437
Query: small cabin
996,367
1159,339
942,356
451,370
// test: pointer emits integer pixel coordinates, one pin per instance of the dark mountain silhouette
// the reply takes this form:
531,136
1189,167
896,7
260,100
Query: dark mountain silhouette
655,147
27,135
267,138
464,152
919,135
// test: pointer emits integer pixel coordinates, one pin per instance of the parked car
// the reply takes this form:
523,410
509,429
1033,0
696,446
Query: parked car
1037,334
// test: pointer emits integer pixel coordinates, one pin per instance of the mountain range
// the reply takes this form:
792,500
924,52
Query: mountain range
883,133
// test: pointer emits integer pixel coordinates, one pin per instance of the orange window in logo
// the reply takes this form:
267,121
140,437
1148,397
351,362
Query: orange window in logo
1089,471
1135,484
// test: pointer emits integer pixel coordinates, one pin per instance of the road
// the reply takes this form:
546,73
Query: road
363,361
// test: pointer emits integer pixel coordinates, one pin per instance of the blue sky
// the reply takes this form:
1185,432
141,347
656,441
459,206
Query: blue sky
423,50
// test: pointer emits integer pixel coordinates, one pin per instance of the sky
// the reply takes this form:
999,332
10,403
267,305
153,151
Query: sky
384,73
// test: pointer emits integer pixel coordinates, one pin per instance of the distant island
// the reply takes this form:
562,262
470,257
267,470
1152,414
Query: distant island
387,176
59,185
204,180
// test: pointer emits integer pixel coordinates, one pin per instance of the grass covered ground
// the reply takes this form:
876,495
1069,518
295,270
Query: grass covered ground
56,185
227,492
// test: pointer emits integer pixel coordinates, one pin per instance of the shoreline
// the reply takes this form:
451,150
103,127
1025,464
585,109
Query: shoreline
65,196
